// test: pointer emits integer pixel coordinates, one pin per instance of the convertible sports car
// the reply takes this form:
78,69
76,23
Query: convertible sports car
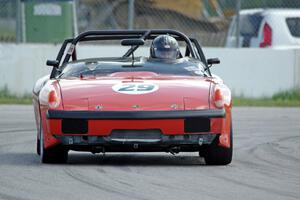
130,103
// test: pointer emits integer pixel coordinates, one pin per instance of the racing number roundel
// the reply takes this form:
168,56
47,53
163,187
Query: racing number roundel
135,88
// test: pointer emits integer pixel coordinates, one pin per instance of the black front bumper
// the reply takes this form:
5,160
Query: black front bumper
195,122
134,115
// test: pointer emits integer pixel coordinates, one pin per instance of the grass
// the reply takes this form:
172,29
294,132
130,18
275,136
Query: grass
290,98
7,98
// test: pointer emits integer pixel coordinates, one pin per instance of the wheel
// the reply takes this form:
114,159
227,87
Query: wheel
217,155
52,155
38,146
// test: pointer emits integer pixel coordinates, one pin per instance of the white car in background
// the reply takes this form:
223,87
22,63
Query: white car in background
275,28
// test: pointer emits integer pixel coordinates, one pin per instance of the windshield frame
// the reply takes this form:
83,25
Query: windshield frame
105,67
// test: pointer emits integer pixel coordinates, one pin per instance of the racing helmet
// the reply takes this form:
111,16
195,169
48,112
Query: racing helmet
164,47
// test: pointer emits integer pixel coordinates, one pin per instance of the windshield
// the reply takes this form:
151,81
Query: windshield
108,66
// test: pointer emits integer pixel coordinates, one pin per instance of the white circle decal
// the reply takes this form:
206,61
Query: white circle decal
135,88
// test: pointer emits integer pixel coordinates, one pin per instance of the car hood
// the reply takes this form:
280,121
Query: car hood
135,92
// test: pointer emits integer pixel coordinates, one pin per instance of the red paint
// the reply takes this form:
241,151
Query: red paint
174,93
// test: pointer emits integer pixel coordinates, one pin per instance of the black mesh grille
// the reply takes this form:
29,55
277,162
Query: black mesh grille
74,126
196,124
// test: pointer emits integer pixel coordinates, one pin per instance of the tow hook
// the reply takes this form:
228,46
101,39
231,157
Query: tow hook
174,150
200,141
97,149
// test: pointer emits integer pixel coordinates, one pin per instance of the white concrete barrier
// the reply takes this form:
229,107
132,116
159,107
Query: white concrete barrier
22,65
257,72
248,72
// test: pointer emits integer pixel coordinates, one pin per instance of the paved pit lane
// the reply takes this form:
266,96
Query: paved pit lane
266,164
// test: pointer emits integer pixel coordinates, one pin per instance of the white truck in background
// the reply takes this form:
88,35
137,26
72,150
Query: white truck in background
263,28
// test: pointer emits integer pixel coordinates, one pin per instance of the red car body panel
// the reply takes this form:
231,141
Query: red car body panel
183,92
187,93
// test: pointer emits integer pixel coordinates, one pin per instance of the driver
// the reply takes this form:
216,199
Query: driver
164,47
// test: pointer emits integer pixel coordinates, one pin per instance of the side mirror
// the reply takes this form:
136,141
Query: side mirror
212,61
53,63
132,42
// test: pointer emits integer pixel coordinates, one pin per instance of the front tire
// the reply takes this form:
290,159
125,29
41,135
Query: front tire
51,155
38,143
217,155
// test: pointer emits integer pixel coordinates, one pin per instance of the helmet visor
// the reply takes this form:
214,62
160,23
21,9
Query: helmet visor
165,53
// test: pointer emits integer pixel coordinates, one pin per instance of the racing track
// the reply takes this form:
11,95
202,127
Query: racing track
266,164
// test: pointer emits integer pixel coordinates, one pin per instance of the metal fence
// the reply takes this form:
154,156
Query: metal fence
206,20
8,22
194,17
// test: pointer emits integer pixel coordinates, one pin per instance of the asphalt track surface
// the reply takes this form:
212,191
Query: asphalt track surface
266,164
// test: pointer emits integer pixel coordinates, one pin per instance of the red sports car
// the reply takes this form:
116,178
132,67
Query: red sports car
165,102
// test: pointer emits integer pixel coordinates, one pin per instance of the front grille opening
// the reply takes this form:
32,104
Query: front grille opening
74,126
196,124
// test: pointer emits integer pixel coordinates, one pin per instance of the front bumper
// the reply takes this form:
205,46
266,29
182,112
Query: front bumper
85,129
119,115
104,122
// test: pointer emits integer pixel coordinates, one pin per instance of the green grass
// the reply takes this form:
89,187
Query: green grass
290,98
265,102
7,98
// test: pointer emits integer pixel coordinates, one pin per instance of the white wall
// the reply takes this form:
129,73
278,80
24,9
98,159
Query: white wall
256,72
248,72
22,65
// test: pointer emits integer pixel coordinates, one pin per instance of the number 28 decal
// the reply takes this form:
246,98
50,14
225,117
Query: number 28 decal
135,88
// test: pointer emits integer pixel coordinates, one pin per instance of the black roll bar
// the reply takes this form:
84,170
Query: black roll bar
113,34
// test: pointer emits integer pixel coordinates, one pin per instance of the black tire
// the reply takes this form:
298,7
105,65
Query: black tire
56,154
38,146
217,155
